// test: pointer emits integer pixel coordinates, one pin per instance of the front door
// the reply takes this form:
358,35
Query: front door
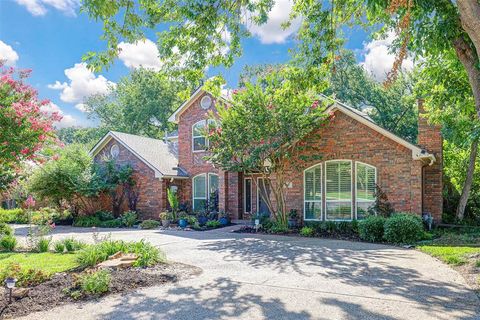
263,191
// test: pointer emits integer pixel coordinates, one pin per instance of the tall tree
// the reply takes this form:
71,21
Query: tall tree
139,104
444,84
264,127
26,127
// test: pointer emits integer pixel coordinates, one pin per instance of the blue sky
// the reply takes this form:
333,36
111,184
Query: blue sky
50,37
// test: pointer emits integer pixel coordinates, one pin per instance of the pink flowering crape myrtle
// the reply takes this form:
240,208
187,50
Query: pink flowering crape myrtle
26,127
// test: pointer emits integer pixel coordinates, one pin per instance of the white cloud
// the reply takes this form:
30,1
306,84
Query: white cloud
39,7
272,31
7,54
140,54
379,61
67,120
81,106
82,83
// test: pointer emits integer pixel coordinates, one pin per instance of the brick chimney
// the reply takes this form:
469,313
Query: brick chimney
430,139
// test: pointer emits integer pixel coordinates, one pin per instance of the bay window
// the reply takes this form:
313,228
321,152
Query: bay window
366,181
338,189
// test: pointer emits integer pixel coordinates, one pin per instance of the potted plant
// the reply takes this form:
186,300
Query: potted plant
202,218
165,217
223,218
293,218
182,219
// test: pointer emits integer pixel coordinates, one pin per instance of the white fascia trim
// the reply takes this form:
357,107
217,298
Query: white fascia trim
417,153
109,136
174,117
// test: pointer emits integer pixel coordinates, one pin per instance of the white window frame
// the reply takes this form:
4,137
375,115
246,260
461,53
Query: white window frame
207,187
351,190
321,191
356,198
206,123
245,193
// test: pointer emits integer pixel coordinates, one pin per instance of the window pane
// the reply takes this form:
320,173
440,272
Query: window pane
199,187
309,185
366,183
213,183
338,190
199,204
339,210
313,210
248,195
199,129
199,143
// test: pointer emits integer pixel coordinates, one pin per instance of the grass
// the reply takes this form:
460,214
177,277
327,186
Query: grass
451,255
47,262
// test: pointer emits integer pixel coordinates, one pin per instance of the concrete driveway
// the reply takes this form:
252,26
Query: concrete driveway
273,277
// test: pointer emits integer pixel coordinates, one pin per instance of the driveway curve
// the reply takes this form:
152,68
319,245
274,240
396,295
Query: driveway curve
276,277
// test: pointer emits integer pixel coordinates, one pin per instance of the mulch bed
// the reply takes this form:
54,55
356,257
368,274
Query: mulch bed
51,293
295,233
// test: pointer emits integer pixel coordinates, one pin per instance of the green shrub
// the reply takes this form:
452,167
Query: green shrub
43,244
149,224
129,218
8,243
72,245
372,228
115,223
276,227
95,283
331,227
59,247
5,229
86,221
148,255
192,220
25,277
307,231
13,216
104,215
403,228
213,224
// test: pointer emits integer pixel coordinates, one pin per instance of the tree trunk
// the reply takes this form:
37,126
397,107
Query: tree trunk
468,182
470,18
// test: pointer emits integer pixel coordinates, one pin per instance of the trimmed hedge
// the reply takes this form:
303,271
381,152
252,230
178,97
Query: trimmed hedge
371,228
403,228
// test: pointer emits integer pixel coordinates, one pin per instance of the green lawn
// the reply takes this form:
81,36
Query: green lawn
451,255
47,262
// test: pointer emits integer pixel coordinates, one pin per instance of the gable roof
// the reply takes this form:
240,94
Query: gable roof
417,152
161,157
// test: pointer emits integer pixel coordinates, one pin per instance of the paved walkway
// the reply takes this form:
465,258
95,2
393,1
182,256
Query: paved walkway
273,277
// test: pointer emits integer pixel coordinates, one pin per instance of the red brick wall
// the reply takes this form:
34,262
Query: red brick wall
345,138
152,198
430,138
192,162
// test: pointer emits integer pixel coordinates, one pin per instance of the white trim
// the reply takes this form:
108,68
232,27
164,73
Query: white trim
109,136
321,191
417,153
206,126
174,117
351,190
356,185
244,195
207,187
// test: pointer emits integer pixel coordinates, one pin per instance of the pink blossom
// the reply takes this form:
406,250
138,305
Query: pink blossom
30,202
56,157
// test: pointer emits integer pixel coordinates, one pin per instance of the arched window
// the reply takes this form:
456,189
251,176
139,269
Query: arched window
366,181
338,190
199,138
205,187
312,193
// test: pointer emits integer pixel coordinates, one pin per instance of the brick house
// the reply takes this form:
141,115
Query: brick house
357,155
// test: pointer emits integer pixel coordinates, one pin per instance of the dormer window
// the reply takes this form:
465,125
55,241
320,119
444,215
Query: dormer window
199,137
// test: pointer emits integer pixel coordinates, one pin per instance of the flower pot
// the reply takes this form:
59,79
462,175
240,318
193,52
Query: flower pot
202,220
292,223
165,223
182,223
223,221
